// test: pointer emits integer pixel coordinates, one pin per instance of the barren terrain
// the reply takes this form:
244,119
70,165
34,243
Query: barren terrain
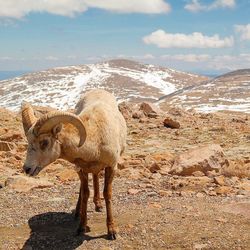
155,206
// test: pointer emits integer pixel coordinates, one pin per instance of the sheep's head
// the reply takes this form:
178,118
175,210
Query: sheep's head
42,135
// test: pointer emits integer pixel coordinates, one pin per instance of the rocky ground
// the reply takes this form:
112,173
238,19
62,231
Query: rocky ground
183,183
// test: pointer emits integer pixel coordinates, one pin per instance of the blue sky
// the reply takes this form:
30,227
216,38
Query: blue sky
189,35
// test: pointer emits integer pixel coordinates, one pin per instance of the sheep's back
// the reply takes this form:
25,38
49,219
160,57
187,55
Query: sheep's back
106,128
96,95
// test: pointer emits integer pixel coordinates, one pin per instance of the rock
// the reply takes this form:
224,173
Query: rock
11,136
212,173
122,164
68,175
152,115
187,193
167,193
5,146
220,180
223,190
135,162
212,193
130,173
155,176
159,162
152,126
200,195
53,169
22,183
245,185
155,205
126,109
204,159
200,181
133,191
200,246
137,114
154,168
170,123
5,173
198,174
150,108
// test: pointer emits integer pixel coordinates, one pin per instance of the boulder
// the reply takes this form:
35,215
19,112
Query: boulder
126,109
204,159
220,180
137,114
5,173
122,164
159,162
21,183
171,123
68,175
223,190
150,109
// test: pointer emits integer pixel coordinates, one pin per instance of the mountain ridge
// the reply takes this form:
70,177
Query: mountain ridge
62,86
129,80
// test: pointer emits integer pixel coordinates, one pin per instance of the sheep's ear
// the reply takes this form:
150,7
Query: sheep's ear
57,129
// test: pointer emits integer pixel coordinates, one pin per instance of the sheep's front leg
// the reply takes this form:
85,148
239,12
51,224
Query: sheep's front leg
107,193
83,203
97,198
77,210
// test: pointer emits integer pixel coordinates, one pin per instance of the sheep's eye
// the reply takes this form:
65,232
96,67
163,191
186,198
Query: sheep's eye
44,144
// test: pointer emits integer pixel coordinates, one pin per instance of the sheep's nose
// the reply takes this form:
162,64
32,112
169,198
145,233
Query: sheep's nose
26,169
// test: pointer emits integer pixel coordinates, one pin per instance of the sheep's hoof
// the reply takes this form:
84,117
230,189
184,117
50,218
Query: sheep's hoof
112,236
82,230
76,215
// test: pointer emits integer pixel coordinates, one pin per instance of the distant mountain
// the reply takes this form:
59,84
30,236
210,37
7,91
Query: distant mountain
128,80
62,87
230,91
4,75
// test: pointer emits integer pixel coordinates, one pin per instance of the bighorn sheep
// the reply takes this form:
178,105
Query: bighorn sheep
102,131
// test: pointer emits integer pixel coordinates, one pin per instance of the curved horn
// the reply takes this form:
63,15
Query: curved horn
48,121
28,117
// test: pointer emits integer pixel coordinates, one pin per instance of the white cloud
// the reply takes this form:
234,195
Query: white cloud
142,57
245,56
187,57
228,62
196,6
207,62
5,58
20,8
244,31
195,40
130,6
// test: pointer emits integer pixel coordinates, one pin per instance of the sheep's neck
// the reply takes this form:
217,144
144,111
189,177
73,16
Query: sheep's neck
70,150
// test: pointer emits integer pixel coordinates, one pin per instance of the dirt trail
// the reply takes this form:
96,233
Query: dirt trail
146,221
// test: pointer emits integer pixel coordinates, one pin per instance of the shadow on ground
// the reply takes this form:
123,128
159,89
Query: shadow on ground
54,231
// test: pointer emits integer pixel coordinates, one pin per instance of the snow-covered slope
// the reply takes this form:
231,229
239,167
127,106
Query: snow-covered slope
62,87
128,80
227,92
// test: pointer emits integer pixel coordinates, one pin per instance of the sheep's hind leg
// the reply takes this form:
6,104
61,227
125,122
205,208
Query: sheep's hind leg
107,193
97,198
83,228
